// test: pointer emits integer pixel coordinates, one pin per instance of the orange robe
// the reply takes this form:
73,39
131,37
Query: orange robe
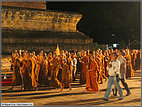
85,62
66,78
135,57
54,73
16,76
50,60
132,59
40,60
138,61
27,74
101,64
43,73
129,69
69,62
33,73
91,77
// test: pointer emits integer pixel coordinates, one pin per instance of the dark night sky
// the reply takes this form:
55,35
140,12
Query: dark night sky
102,19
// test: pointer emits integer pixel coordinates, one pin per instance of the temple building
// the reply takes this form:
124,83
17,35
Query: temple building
30,26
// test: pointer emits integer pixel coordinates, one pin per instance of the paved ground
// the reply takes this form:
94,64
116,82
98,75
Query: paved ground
47,96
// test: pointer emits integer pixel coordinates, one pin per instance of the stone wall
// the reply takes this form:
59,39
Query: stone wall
25,4
20,39
41,20
36,29
76,41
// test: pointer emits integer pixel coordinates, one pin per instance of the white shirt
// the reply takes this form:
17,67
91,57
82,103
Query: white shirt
74,62
115,69
122,61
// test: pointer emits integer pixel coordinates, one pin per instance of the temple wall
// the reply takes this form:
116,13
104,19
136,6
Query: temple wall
41,20
36,29
48,40
26,4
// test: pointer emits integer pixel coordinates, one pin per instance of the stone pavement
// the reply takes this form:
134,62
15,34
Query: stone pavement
47,96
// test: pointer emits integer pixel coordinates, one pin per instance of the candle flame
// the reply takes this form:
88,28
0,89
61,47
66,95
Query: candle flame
57,50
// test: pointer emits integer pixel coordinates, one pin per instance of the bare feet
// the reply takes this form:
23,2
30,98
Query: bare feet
70,89
61,90
36,88
85,90
105,79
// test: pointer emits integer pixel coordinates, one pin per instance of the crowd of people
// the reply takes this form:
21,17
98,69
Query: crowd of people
60,68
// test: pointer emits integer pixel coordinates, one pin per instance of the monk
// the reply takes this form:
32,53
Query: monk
40,61
54,73
129,69
66,77
43,73
85,61
79,66
50,60
34,55
100,61
132,53
27,72
69,62
91,76
138,60
16,76
14,56
106,58
33,74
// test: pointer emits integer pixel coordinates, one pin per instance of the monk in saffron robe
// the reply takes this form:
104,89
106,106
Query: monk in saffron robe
129,69
33,74
91,76
132,58
66,78
138,55
34,55
40,61
100,61
43,73
27,72
85,61
16,76
50,60
69,62
54,73
105,63
14,56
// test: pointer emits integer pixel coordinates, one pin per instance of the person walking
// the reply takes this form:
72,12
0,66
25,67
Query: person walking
74,63
113,68
122,76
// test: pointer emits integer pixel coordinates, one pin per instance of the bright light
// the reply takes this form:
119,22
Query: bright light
115,45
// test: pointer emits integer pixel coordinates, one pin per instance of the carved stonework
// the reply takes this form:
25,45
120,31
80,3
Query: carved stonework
25,4
28,19
36,29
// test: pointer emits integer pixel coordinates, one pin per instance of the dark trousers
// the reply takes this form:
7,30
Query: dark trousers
125,86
